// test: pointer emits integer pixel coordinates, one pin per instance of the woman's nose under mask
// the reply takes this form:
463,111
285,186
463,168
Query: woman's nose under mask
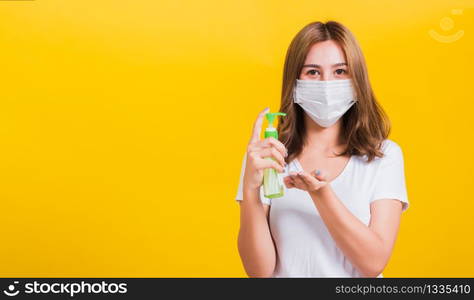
324,101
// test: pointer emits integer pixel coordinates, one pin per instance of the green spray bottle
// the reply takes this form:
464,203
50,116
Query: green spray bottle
272,182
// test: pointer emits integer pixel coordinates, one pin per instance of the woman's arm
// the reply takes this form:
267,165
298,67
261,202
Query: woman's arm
255,242
367,247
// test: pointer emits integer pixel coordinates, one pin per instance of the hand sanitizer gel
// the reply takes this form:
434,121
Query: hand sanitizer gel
273,186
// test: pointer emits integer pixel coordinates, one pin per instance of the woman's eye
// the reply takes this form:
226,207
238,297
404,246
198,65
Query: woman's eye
340,71
312,72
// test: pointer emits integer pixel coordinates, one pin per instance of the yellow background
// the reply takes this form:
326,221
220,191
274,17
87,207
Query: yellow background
123,125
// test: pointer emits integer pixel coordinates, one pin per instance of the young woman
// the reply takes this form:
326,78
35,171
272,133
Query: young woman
345,179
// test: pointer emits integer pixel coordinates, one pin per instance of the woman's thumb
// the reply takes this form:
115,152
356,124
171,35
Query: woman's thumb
319,175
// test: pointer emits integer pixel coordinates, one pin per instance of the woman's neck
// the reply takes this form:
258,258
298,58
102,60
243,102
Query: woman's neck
323,139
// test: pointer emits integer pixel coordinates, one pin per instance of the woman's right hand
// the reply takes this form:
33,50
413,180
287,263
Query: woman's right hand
257,151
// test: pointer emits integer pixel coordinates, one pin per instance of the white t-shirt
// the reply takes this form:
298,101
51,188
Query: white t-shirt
304,246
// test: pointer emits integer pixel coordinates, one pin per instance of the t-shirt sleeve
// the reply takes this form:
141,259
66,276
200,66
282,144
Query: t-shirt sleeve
240,196
390,179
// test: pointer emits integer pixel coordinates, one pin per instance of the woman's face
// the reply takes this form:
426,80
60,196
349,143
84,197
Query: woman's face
325,61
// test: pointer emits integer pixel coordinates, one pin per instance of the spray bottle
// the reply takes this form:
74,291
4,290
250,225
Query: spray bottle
273,186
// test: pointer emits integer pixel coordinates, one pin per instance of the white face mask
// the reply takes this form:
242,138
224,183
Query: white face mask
324,101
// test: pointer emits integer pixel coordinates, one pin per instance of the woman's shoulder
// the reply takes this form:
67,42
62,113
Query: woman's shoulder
391,148
390,145
391,151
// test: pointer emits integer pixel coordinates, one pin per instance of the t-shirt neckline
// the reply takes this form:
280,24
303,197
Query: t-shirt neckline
341,174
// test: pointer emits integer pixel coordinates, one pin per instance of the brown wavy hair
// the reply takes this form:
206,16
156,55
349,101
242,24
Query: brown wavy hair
364,126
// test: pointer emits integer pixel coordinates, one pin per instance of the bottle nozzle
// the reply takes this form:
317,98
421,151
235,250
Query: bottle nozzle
271,117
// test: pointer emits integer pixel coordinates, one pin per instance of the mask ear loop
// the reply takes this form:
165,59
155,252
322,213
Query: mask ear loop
354,94
294,93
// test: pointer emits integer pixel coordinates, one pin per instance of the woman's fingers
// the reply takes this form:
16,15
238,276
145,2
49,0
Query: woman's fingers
318,174
257,145
272,152
270,163
270,141
289,182
308,179
312,181
299,183
257,126
305,181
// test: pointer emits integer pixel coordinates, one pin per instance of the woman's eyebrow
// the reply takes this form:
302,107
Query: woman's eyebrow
318,66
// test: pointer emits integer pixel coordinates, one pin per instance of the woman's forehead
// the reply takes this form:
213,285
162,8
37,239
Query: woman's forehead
325,54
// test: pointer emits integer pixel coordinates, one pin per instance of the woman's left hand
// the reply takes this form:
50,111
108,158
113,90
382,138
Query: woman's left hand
305,181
